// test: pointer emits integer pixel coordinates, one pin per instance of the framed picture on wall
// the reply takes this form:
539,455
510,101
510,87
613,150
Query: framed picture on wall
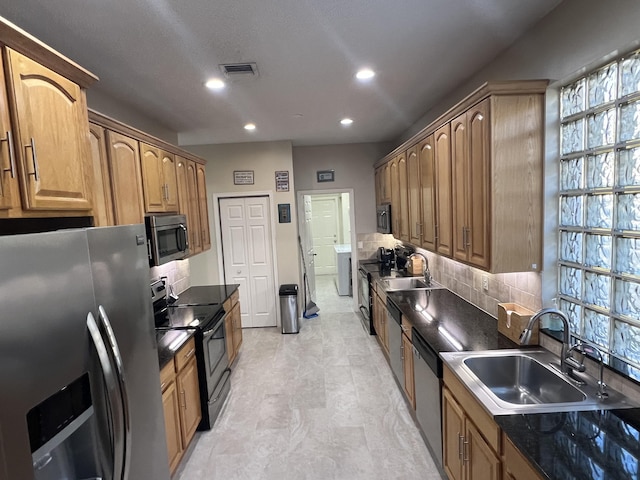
282,181
243,177
325,175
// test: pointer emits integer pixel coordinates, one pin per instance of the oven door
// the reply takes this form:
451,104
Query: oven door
215,353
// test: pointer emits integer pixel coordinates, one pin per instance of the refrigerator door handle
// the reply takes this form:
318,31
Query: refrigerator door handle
114,396
124,398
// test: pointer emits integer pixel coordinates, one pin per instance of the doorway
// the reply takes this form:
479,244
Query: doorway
327,232
247,248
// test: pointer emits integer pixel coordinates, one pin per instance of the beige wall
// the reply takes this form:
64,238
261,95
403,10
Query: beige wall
353,165
110,107
264,158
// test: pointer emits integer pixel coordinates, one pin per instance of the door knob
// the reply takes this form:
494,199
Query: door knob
238,272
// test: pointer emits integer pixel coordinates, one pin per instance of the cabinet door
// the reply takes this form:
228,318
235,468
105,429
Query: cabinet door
414,196
395,198
153,186
386,183
480,461
444,215
427,184
452,436
190,413
460,175
170,182
171,406
201,175
237,328
8,167
404,197
478,222
195,234
52,148
514,465
126,179
407,367
183,190
228,330
102,201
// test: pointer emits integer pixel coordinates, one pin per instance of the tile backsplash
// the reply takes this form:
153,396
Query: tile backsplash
177,273
368,244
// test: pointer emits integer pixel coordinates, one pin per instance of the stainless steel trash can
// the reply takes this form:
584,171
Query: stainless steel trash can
289,307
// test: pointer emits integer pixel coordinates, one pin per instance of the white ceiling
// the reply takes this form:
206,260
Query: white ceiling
154,55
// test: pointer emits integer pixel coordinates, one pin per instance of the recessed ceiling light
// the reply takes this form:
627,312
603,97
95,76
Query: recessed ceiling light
346,121
215,84
250,126
365,74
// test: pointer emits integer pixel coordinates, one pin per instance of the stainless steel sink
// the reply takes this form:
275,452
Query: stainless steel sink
408,283
522,380
527,381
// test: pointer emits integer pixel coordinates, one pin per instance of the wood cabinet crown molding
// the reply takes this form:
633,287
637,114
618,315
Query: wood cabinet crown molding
117,126
17,39
513,87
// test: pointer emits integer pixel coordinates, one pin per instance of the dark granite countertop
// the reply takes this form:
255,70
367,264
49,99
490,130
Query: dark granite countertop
437,313
170,342
206,294
602,444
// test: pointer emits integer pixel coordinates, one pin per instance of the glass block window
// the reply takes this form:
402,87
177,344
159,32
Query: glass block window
599,209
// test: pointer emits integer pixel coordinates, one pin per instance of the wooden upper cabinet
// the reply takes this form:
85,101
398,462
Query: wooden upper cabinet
386,183
201,176
413,195
8,167
403,188
426,179
460,176
395,197
159,179
126,179
169,177
195,237
51,132
442,142
102,200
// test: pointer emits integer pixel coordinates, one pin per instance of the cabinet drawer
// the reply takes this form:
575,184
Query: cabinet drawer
515,465
406,326
185,353
167,374
231,301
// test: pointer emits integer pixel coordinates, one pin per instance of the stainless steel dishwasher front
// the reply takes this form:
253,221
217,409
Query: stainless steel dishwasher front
428,390
394,334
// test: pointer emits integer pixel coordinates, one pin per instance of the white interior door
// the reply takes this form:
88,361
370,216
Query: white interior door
307,246
248,261
325,227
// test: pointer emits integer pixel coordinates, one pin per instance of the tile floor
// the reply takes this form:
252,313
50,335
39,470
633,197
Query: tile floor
321,404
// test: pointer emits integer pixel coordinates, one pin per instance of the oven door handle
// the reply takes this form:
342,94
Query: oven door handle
364,311
210,332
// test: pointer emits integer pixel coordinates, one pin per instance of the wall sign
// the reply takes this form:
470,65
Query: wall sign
243,177
282,181
325,175
284,213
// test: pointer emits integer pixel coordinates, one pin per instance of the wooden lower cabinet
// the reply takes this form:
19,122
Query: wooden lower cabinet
514,465
407,364
233,326
181,402
466,454
380,322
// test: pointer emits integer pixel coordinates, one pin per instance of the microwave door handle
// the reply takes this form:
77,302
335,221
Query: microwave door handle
113,396
183,241
124,397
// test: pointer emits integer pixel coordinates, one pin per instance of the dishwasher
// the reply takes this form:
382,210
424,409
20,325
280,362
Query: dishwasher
428,390
394,334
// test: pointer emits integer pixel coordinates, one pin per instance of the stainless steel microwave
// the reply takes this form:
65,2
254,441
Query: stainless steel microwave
383,218
167,238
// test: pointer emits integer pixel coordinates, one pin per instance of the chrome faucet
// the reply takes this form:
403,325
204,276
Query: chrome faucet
586,348
426,273
567,363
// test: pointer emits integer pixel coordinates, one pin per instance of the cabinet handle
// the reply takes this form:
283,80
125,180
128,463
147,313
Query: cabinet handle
189,353
435,232
402,351
12,156
34,158
467,243
184,400
460,447
465,449
162,385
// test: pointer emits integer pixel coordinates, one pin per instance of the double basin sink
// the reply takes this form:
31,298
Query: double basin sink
527,381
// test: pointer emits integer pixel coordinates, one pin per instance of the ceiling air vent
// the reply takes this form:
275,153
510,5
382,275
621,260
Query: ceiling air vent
239,69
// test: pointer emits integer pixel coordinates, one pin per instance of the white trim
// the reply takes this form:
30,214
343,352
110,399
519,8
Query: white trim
352,220
274,214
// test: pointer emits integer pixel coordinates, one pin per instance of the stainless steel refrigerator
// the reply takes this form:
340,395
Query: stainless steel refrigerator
79,377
